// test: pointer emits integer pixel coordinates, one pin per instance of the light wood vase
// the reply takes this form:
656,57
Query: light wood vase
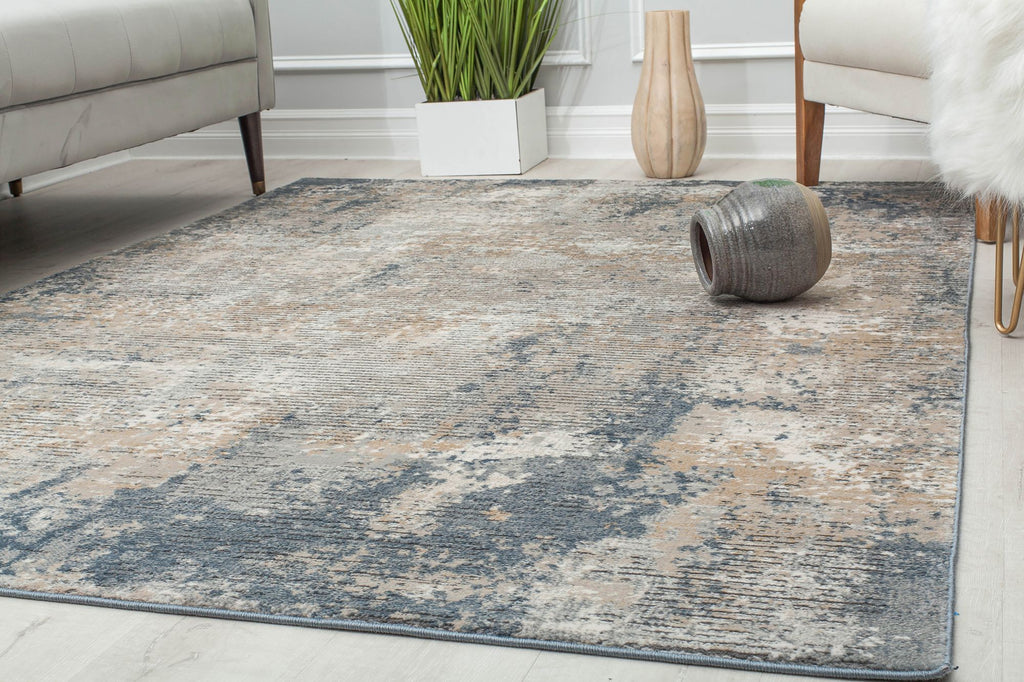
669,127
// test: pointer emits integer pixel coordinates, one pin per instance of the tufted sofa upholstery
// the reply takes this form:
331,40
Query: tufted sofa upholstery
82,79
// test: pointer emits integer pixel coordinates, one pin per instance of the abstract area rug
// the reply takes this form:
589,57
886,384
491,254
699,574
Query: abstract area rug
502,412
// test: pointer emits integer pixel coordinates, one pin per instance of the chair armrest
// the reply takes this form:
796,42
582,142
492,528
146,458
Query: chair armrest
264,53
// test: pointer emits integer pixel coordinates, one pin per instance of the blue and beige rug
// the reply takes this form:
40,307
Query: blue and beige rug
506,412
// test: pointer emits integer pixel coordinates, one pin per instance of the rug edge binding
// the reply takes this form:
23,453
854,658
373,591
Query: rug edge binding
484,639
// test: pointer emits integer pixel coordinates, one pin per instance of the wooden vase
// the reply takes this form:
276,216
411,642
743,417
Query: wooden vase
669,128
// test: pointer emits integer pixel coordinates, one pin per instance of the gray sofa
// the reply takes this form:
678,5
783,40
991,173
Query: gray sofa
83,78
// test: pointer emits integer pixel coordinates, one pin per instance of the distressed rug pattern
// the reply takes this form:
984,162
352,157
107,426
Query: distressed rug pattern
503,409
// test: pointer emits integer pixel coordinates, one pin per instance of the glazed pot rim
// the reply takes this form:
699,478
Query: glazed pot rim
703,256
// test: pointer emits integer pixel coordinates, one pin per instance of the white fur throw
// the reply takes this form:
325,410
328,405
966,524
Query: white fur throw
977,133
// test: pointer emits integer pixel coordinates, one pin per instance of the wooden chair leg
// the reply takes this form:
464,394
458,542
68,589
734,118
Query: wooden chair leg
810,128
252,140
810,117
15,187
989,220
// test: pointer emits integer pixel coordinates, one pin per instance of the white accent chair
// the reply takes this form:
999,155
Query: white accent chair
869,55
83,78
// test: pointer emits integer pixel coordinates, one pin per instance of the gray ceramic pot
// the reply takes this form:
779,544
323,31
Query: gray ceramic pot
767,240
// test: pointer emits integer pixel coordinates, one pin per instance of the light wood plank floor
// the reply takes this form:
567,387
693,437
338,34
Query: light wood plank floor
52,228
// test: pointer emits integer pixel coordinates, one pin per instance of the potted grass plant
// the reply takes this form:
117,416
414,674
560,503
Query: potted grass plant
477,61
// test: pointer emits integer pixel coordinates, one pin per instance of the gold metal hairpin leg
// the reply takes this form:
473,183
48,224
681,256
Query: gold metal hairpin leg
1002,212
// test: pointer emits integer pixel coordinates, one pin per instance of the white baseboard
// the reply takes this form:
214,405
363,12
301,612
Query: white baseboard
40,180
734,131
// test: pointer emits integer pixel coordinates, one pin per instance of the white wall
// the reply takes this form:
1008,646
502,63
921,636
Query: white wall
345,86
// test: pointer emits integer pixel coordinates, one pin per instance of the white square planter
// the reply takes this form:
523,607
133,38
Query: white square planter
483,137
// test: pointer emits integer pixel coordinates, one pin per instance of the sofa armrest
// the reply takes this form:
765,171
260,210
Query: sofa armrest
264,53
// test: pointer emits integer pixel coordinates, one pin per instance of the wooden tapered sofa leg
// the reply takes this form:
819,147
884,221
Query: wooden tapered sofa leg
252,140
810,117
15,187
989,220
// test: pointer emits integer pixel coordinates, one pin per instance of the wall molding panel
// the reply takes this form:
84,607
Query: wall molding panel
341,62
718,52
763,131
578,55
706,51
